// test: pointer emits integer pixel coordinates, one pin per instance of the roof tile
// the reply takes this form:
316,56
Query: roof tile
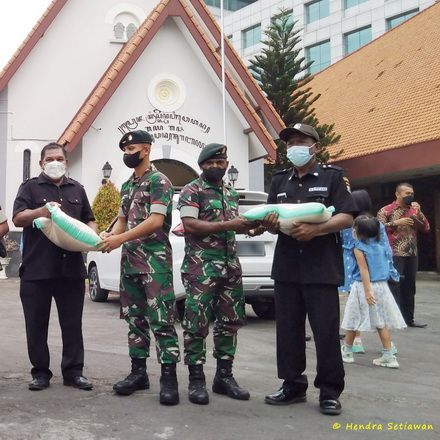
386,95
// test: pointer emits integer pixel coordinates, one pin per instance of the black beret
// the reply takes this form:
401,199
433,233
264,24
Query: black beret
305,129
135,137
212,151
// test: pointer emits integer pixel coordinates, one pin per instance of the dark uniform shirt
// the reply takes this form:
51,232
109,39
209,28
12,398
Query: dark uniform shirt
41,258
213,254
318,261
140,197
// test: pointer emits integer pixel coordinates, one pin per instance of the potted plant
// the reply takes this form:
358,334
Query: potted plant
105,206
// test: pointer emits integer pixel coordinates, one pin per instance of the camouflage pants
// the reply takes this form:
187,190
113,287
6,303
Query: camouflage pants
207,299
147,300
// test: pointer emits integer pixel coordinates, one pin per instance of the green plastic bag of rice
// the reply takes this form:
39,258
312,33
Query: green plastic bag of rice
67,232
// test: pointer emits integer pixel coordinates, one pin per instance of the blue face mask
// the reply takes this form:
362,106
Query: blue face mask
299,155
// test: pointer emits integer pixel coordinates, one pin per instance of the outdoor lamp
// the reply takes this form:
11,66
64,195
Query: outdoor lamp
233,175
106,172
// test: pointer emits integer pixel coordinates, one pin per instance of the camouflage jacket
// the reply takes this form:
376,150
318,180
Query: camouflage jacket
140,197
209,255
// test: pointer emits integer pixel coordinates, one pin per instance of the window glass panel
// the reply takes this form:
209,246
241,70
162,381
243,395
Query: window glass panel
230,5
356,39
394,21
252,36
279,18
118,30
317,10
351,3
131,30
320,55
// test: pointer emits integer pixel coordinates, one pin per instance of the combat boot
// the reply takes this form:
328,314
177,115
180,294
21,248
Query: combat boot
169,393
136,380
197,385
224,382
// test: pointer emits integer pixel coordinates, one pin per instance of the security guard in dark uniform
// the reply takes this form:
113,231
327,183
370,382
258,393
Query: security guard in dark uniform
307,270
48,271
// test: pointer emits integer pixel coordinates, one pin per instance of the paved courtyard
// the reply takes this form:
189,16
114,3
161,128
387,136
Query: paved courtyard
379,402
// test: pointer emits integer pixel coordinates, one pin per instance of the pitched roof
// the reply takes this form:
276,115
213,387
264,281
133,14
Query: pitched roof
386,95
30,41
134,48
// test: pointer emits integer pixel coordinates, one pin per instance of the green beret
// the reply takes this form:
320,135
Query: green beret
212,151
135,137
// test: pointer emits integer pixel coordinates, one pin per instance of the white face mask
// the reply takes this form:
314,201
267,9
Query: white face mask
299,155
54,169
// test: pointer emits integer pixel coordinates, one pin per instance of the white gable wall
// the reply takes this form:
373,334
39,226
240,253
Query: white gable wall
64,66
61,70
168,53
54,80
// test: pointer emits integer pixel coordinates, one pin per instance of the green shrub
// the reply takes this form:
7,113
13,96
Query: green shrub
106,205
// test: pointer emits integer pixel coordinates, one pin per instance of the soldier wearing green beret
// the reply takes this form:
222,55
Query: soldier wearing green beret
211,274
147,295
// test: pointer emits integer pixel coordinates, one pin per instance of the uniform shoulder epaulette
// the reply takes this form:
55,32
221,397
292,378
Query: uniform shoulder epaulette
285,170
330,166
29,179
69,179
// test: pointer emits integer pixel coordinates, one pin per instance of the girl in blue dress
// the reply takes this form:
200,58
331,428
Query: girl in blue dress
364,205
371,305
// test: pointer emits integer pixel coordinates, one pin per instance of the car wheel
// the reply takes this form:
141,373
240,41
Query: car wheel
264,310
95,292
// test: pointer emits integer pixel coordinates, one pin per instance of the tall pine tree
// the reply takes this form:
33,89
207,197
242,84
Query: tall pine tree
283,75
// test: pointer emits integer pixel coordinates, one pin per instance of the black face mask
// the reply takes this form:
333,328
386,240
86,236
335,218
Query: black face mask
132,160
214,175
408,200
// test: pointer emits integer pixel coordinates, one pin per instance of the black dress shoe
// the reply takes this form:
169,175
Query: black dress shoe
330,407
39,383
79,382
417,324
282,397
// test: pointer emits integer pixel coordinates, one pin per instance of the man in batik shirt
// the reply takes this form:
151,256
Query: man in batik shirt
403,219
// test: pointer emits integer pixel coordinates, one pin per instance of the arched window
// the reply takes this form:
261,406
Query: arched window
26,164
131,30
125,26
118,30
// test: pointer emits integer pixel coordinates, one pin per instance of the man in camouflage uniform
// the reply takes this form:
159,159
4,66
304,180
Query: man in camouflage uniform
211,274
146,293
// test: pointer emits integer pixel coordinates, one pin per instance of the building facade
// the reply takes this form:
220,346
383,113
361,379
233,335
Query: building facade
329,29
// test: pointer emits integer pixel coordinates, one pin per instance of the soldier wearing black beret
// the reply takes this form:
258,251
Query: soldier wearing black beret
146,294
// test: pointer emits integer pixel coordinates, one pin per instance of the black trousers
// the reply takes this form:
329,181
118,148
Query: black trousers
404,291
321,303
36,298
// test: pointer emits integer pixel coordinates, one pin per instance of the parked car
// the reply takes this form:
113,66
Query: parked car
255,253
